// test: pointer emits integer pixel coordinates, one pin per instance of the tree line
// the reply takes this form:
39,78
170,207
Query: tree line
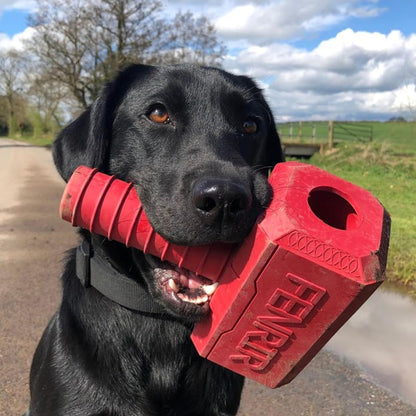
79,45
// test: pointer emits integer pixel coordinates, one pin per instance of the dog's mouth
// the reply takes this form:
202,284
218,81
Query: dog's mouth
186,286
183,291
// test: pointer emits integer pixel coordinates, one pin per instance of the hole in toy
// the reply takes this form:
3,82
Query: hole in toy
332,209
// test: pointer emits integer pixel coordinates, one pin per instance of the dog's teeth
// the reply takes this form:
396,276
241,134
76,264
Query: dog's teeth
173,285
203,299
210,289
197,301
183,297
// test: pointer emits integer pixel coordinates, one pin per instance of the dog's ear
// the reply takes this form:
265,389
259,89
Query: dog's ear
270,151
87,139
274,149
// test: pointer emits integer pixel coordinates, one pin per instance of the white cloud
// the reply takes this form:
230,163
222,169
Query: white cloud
17,4
405,98
354,74
17,42
269,21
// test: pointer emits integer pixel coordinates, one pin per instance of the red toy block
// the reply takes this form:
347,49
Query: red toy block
312,259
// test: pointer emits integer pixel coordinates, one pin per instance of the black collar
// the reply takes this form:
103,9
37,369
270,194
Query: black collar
95,271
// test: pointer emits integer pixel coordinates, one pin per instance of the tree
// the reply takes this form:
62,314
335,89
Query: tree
82,44
192,40
126,31
11,67
62,46
46,99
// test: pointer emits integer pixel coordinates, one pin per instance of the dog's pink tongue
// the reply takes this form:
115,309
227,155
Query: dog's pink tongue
191,280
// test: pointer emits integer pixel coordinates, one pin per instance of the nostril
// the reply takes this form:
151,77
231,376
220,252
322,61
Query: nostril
218,199
239,204
206,204
207,200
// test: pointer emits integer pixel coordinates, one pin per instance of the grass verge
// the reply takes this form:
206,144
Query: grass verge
42,141
392,179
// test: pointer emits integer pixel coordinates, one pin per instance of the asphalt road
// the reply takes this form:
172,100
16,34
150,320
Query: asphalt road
33,241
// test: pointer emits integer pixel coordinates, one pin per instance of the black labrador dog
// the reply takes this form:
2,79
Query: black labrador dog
197,144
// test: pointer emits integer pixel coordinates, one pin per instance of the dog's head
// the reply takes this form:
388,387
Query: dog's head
197,144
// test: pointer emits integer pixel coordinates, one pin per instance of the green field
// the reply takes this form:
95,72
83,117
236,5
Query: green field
401,136
386,167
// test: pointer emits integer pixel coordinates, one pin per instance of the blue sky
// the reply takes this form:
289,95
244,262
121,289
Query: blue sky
13,21
394,15
315,59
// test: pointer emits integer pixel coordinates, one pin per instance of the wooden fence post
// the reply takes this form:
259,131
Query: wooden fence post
300,131
331,134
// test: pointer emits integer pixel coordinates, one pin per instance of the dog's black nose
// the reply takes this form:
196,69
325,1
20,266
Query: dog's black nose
220,200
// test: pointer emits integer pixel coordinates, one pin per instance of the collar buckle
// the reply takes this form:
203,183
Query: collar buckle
83,267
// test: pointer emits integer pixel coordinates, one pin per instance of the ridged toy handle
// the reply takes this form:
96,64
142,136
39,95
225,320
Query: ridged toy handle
110,207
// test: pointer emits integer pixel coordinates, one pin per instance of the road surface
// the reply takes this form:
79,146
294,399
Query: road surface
33,241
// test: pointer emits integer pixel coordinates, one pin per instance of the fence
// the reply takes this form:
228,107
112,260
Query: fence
342,131
304,132
326,133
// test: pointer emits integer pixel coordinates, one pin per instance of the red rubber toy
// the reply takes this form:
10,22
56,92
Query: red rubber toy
314,257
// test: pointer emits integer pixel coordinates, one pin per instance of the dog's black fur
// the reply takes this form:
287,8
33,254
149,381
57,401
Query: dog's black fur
196,143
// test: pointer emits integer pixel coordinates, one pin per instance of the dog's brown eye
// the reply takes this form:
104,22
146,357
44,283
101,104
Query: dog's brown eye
250,126
159,114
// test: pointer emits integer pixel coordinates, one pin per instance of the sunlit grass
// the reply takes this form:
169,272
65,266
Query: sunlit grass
392,179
